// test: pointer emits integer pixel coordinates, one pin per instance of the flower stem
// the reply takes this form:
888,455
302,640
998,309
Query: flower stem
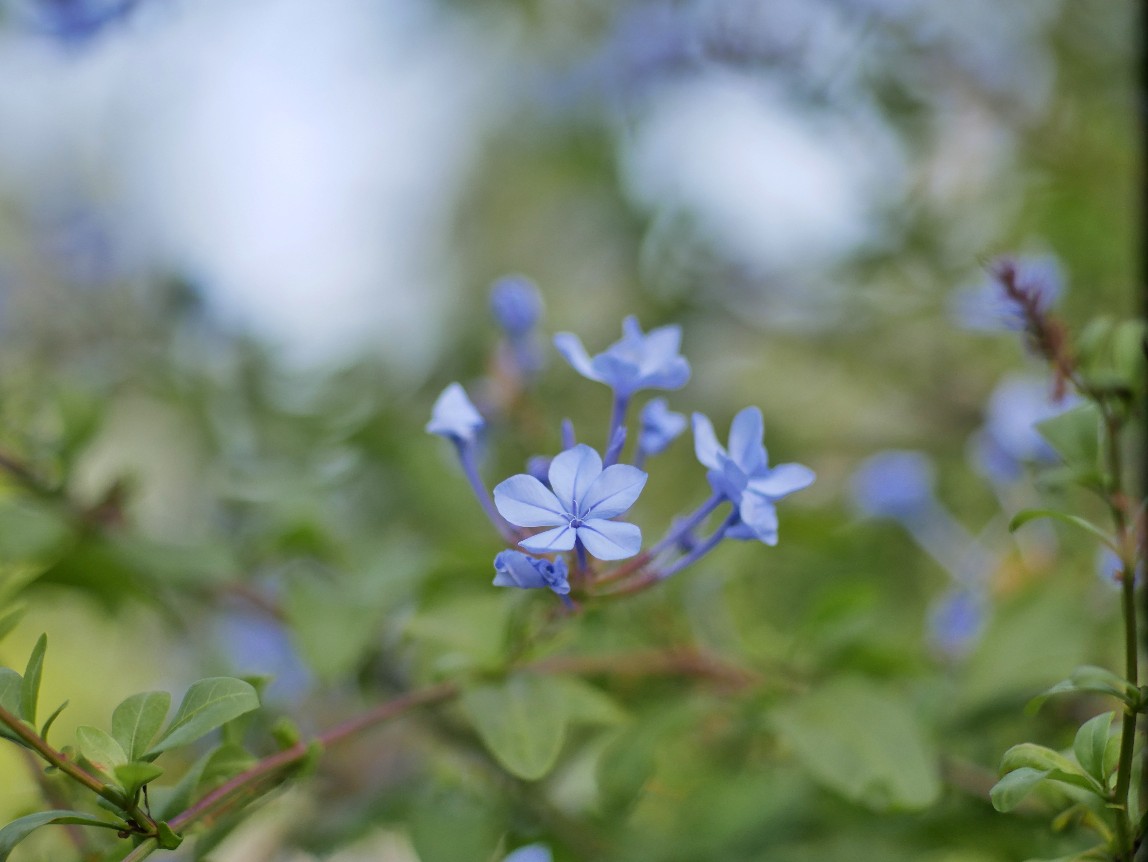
617,420
470,469
689,523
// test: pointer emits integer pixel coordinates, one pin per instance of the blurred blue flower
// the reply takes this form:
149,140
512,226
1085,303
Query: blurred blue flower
74,22
987,308
895,484
531,853
742,475
660,426
1009,437
579,508
516,304
455,417
956,621
1109,568
638,361
515,569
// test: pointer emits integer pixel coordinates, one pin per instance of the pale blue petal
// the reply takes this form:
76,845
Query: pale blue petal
525,501
614,491
572,473
745,435
618,371
513,569
631,329
454,417
558,539
706,446
659,426
660,347
570,346
610,540
758,513
782,479
673,374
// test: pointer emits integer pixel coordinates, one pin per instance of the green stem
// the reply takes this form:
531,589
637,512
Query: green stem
1116,503
74,771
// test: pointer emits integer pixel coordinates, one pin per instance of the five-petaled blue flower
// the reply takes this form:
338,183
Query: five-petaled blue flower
639,361
578,505
660,426
515,569
454,417
742,475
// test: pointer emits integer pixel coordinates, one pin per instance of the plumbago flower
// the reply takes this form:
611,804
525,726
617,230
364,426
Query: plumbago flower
578,506
515,569
639,361
741,475
659,427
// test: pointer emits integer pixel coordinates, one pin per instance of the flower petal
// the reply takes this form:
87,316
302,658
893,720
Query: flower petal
572,473
781,480
570,346
758,513
454,417
558,539
514,569
673,374
614,491
526,502
610,540
745,435
706,446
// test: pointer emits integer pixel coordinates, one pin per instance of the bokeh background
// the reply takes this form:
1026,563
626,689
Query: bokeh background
243,246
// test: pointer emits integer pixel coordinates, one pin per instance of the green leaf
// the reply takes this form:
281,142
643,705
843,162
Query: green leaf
453,826
100,749
1056,765
207,704
1090,678
1011,790
863,742
132,776
11,688
1091,743
10,619
522,720
1129,351
52,719
18,830
167,838
30,690
1021,518
137,720
1075,435
585,704
225,763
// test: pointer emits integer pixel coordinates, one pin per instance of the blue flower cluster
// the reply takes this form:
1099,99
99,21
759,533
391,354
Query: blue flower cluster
578,496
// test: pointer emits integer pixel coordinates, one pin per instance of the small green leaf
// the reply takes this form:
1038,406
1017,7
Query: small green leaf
100,749
1075,435
207,704
10,619
1093,679
225,763
52,719
586,704
132,776
166,837
18,830
1091,743
522,720
137,720
11,686
1021,518
1008,793
30,690
1053,763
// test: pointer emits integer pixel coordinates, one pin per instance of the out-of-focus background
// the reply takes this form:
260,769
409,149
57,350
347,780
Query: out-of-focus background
243,246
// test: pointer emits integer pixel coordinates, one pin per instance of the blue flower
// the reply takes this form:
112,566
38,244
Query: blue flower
895,484
660,426
1009,437
956,621
639,361
454,417
531,853
742,475
515,569
516,305
578,505
987,307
